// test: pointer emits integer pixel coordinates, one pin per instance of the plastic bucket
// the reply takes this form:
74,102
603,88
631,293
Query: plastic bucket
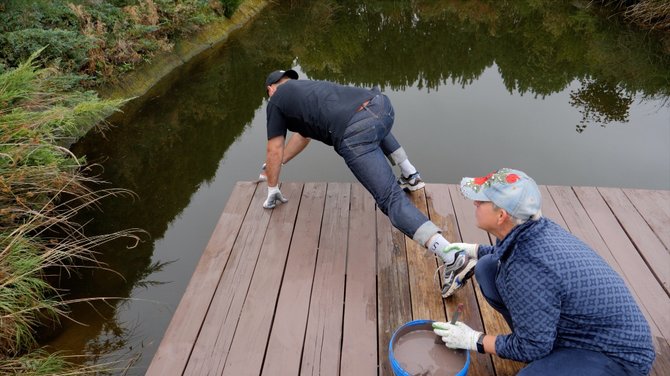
415,350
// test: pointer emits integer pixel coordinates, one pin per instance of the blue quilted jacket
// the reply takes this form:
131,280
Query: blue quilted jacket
560,293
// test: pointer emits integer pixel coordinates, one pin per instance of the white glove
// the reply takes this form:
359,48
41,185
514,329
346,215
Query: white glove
470,249
457,336
274,195
262,176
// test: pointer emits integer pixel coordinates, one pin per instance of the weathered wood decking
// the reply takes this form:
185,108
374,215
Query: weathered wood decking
319,284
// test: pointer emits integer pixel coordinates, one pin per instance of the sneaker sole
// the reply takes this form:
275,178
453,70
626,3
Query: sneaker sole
464,275
412,188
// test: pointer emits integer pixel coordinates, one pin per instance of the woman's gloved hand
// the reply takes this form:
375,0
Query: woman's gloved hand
458,335
470,249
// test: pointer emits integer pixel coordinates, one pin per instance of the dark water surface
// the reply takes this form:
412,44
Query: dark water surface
542,86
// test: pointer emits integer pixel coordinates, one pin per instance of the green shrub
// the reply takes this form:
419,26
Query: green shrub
69,48
46,14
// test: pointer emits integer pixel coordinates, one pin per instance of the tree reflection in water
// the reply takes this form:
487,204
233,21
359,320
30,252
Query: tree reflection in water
600,103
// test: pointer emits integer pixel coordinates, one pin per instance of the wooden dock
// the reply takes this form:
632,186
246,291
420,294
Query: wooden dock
318,285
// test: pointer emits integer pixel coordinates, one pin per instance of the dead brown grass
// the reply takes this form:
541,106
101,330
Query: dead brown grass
650,14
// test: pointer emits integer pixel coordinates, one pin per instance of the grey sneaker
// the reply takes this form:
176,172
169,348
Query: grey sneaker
457,273
411,183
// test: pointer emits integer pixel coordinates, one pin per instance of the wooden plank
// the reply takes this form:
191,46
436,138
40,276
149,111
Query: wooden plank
321,353
211,347
424,289
650,247
359,342
394,306
581,226
253,330
493,322
652,201
654,206
288,328
549,208
177,343
661,365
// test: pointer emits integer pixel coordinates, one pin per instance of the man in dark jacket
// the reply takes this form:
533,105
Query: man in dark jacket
570,313
357,123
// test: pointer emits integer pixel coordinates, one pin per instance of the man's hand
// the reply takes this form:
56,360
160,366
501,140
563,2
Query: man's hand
457,336
262,176
274,195
470,249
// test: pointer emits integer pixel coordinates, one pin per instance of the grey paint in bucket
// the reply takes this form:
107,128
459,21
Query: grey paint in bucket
414,351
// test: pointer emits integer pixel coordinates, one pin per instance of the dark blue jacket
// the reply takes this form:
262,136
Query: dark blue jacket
560,293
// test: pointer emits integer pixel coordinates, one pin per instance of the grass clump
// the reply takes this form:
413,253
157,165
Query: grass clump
647,14
42,363
42,188
650,14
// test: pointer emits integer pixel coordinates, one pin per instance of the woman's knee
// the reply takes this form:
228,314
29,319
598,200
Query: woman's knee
485,272
486,268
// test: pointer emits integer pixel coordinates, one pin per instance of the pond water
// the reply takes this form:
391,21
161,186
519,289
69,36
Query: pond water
541,86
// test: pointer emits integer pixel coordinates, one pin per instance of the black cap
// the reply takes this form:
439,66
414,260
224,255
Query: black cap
278,74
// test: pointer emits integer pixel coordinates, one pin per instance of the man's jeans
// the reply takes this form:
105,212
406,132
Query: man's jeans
365,145
561,361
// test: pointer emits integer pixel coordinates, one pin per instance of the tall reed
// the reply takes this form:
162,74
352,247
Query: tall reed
42,188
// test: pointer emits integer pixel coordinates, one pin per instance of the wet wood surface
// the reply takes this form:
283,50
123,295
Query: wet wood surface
318,285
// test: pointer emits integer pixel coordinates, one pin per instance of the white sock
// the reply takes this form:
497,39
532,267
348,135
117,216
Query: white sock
437,245
406,168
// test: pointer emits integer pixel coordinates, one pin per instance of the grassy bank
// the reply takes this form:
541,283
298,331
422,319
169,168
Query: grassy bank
42,188
45,101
